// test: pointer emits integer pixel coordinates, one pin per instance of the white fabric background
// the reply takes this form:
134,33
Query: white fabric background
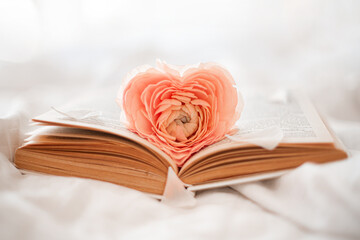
52,51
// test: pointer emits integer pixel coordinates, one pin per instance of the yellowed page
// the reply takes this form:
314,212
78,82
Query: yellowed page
294,115
99,120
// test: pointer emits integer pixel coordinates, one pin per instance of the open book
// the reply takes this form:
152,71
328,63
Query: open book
91,144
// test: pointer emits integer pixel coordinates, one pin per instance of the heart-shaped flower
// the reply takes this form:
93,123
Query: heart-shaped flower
180,109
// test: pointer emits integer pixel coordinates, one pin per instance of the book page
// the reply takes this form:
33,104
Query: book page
294,115
240,180
97,114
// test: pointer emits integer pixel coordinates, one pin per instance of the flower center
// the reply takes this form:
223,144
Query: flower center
182,119
183,124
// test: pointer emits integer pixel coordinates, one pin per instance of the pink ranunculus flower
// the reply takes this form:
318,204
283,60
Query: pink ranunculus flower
180,109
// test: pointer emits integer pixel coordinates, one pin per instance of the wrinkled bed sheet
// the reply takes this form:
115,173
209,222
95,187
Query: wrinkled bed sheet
310,202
